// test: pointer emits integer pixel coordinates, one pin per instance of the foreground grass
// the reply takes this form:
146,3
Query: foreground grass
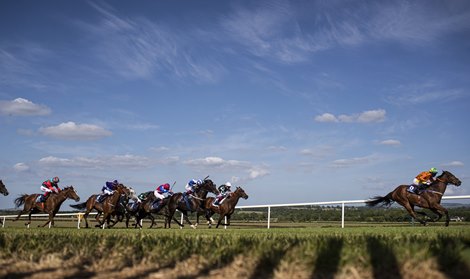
380,252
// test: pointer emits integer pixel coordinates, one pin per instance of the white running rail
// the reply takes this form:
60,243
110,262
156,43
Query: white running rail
79,215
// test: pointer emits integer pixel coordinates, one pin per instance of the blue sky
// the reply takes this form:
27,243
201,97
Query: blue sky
296,101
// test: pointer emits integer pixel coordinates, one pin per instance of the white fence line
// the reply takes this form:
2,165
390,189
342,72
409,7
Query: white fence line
268,206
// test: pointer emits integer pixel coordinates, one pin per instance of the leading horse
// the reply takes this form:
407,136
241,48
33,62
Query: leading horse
107,207
3,189
51,206
429,198
226,209
190,202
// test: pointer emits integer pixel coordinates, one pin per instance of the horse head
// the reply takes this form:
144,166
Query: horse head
239,191
124,190
70,193
448,177
3,189
209,186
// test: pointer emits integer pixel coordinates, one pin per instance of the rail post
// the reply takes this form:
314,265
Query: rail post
225,221
342,215
182,220
3,223
269,217
79,217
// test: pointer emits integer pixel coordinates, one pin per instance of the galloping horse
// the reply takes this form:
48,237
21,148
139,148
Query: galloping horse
51,206
108,207
145,209
185,204
429,198
3,189
226,209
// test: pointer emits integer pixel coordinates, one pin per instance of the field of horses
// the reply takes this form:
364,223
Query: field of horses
317,252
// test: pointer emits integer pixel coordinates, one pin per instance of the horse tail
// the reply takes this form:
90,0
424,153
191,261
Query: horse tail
79,205
20,200
385,201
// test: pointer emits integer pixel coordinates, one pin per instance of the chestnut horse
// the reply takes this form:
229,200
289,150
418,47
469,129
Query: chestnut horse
51,206
226,209
429,198
3,189
108,207
190,203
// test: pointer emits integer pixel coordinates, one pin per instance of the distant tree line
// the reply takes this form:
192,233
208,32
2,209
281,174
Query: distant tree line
333,213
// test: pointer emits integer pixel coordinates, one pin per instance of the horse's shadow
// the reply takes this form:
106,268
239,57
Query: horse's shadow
383,260
448,254
328,258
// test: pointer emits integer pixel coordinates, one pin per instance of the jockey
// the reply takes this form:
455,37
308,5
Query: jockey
160,194
108,190
191,184
48,186
423,180
224,192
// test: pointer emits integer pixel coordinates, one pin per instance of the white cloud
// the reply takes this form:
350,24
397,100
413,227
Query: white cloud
20,167
257,172
252,171
453,164
72,131
391,142
115,161
368,116
326,117
215,162
23,107
342,163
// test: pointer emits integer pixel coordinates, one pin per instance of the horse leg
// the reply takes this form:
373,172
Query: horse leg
412,212
440,208
48,221
439,215
152,219
29,219
221,217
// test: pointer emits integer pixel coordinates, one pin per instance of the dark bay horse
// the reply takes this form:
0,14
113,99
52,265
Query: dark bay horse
146,210
3,189
51,206
429,198
108,207
194,202
226,209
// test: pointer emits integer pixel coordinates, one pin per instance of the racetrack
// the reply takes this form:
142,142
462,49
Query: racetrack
374,252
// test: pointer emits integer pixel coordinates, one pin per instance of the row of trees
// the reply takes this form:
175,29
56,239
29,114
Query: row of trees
333,213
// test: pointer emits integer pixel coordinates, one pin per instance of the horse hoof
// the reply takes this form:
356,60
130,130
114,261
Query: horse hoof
193,226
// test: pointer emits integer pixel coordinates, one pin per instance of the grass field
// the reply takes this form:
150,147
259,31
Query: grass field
355,252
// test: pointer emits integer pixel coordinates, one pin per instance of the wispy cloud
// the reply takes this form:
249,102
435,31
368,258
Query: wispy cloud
425,92
349,162
21,167
23,107
137,48
363,117
391,142
453,164
115,161
72,131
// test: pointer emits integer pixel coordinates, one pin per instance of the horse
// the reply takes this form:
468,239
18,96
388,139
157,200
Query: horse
107,207
226,209
145,209
50,206
3,189
429,198
183,203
